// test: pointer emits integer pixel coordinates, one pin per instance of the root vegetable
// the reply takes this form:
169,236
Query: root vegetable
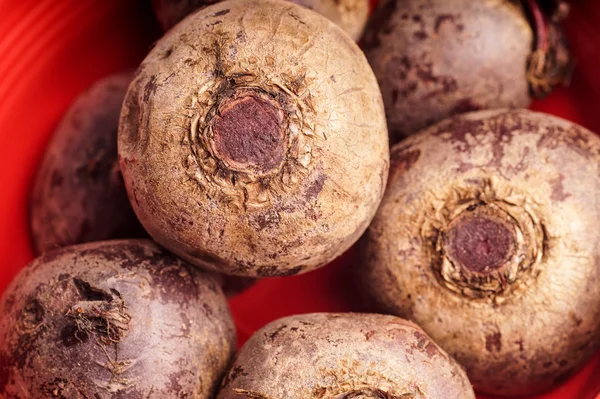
79,195
343,356
434,59
114,319
253,140
487,238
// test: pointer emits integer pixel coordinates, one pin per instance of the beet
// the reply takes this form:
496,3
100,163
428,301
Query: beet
114,319
343,356
487,238
79,195
437,58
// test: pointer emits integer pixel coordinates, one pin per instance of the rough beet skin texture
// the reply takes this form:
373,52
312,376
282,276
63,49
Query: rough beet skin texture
253,140
437,58
350,15
343,356
487,237
79,195
115,319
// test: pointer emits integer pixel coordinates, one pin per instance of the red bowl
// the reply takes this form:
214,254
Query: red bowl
51,50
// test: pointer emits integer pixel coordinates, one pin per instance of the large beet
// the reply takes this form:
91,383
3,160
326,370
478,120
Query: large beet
487,237
350,15
253,141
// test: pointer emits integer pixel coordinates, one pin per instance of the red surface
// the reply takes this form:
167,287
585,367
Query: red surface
50,50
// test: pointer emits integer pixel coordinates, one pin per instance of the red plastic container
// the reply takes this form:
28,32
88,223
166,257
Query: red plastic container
50,50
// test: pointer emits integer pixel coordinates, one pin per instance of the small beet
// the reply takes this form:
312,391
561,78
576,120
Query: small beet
253,140
350,15
343,356
115,319
487,237
79,195
437,58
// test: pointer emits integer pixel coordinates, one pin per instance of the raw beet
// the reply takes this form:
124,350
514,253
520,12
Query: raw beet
437,58
79,195
343,356
115,319
487,238
245,146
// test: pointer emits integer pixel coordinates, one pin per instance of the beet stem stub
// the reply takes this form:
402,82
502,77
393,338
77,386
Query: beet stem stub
480,243
550,63
249,134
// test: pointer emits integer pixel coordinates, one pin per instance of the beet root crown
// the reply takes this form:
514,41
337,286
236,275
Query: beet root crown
481,240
